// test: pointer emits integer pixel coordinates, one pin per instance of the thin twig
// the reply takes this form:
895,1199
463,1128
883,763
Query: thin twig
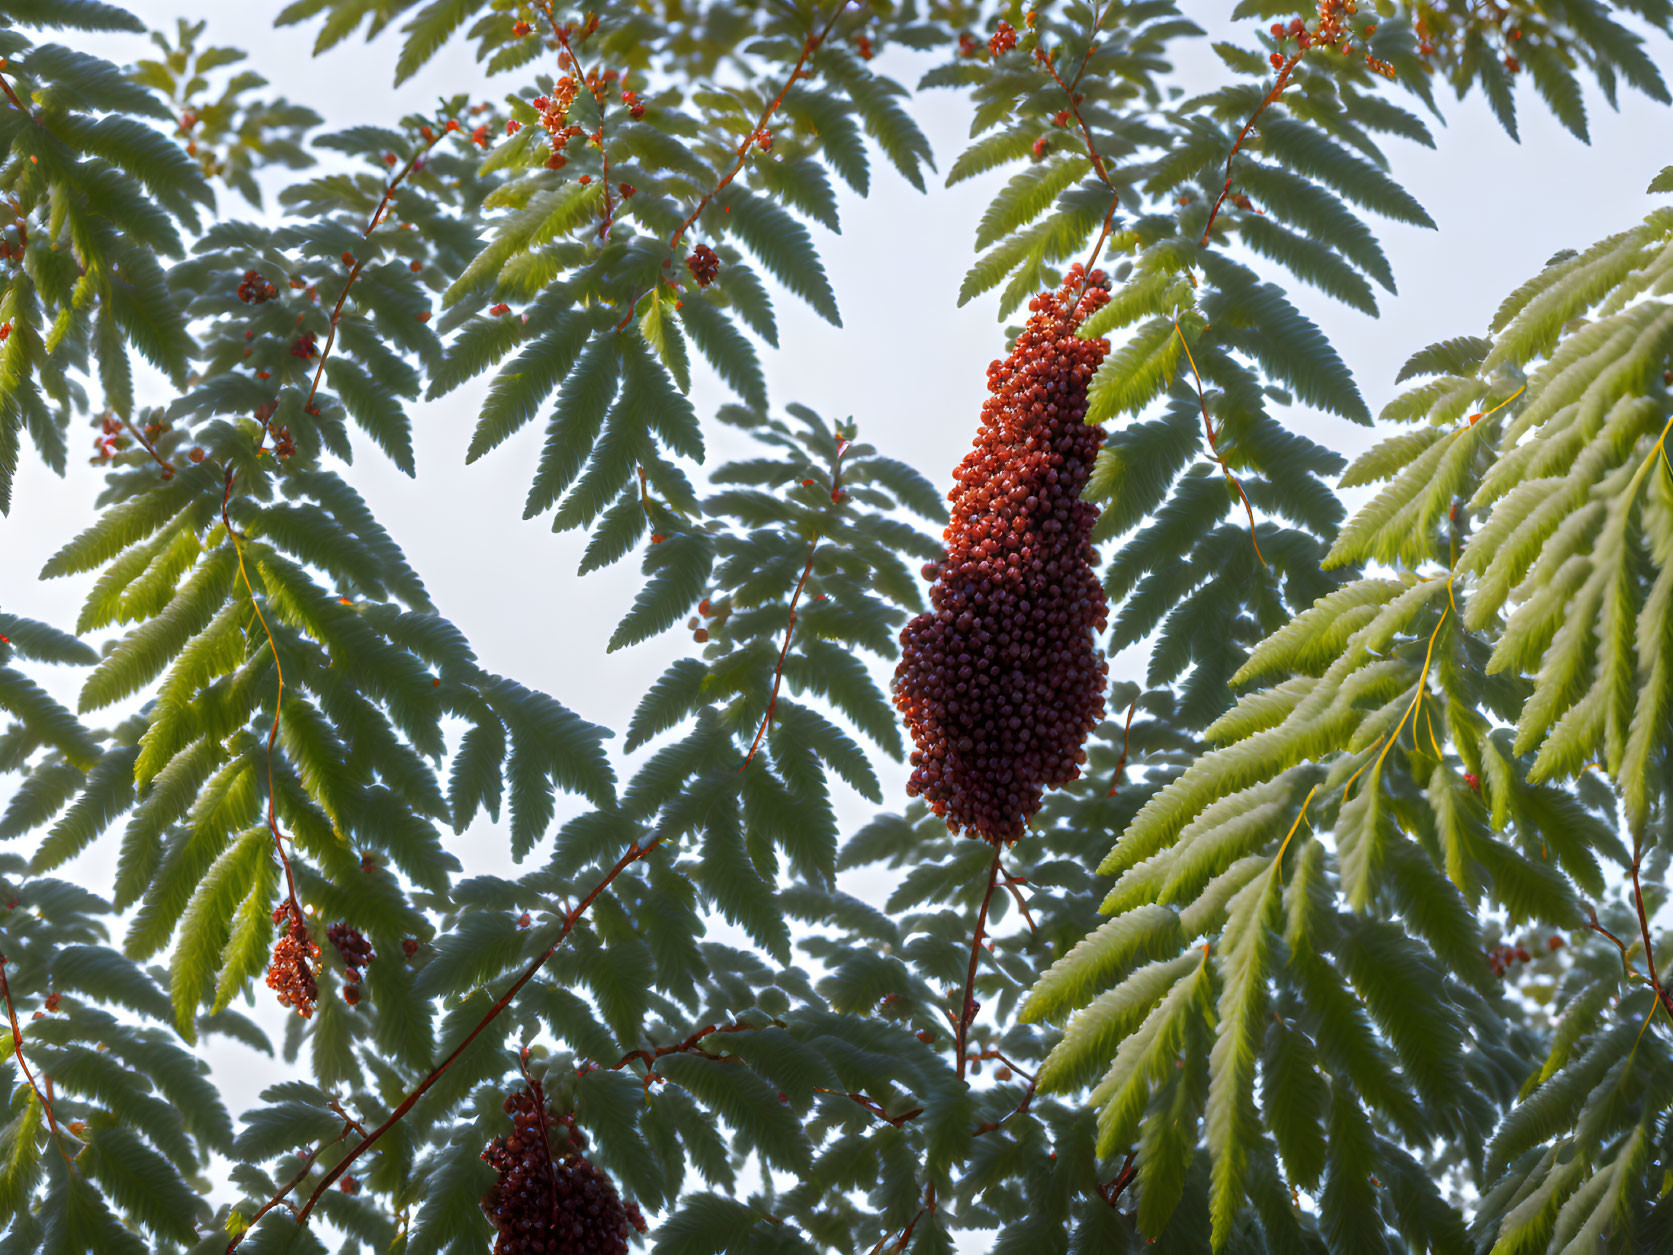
876,1108
148,446
1086,135
649,1057
1213,446
280,1198
790,625
1109,1193
1644,928
966,1013
634,853
1126,741
809,46
17,1052
1271,96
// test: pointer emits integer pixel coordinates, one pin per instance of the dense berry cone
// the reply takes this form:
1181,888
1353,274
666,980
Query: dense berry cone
548,1199
1001,681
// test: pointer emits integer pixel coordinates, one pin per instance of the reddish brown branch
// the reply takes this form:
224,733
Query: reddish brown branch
1126,743
634,854
1086,135
1271,96
22,1063
809,46
284,1190
1019,1109
12,96
1109,1193
649,1057
876,1108
1644,929
966,1009
1013,883
148,446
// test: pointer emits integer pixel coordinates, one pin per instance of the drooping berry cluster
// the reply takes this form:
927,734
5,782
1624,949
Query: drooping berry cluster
255,288
291,974
1001,681
703,264
548,1200
356,952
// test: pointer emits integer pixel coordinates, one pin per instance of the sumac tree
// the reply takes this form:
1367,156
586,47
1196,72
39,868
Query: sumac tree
1335,931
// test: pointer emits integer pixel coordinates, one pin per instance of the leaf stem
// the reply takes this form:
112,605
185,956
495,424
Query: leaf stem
17,1051
634,853
809,46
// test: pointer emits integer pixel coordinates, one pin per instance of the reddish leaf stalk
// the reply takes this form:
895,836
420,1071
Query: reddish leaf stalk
790,625
809,46
1644,928
1109,1193
226,498
965,1013
649,1057
1086,134
634,854
1282,82
1126,740
279,1198
876,1108
22,1063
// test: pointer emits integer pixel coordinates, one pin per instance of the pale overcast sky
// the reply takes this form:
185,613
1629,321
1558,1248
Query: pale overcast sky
907,363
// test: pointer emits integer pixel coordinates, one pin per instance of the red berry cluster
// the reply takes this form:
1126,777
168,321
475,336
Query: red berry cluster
862,44
1501,957
1333,31
968,45
1004,39
305,347
635,106
295,958
1002,680
703,264
356,952
548,1200
255,289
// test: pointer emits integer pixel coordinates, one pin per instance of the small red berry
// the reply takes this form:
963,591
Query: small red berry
520,29
1473,781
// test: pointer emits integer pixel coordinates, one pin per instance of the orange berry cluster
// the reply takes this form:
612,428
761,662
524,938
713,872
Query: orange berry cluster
255,288
1501,957
291,973
1333,31
968,45
356,952
1004,39
703,264
548,1200
1002,680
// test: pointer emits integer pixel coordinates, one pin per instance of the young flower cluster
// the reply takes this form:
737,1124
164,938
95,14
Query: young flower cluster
356,952
291,974
1001,681
703,264
255,288
1333,31
548,1200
